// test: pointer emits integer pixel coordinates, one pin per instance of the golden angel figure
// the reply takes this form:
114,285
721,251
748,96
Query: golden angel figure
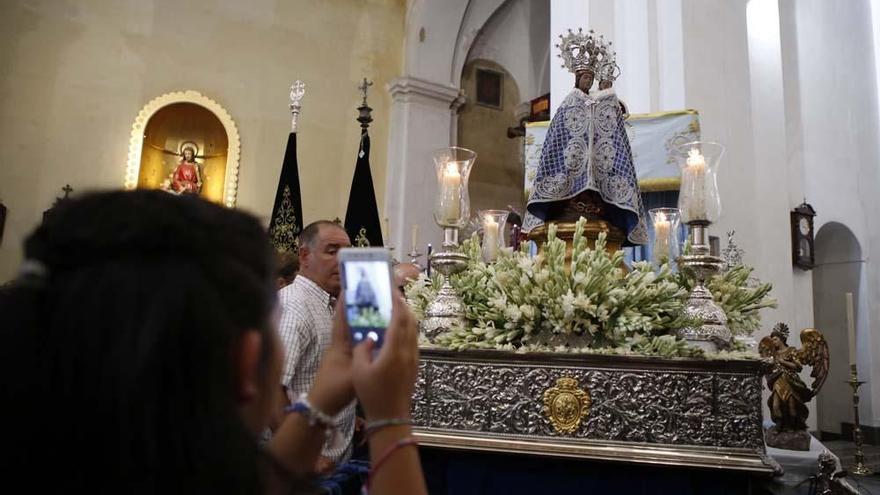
789,394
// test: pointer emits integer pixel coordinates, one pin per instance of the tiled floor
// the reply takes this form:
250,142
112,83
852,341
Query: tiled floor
846,452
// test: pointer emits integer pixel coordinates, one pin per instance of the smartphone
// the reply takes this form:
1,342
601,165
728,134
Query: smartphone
366,285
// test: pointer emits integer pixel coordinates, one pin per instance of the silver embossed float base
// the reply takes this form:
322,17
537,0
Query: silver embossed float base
677,412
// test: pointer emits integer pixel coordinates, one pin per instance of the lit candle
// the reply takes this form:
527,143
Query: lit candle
694,185
450,193
851,327
415,237
490,239
661,238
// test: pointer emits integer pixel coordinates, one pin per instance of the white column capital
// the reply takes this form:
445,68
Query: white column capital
408,89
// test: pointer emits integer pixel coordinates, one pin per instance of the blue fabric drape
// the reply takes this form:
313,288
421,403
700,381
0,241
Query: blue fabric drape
465,473
347,479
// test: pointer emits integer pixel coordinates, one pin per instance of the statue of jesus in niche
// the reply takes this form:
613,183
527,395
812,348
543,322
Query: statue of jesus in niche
186,178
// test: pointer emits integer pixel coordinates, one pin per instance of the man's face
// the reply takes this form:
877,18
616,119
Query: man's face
319,262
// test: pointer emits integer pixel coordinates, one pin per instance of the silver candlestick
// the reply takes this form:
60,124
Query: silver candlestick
451,212
446,310
713,334
854,382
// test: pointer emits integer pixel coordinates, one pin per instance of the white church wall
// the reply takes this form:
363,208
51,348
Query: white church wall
515,37
772,178
838,271
564,15
838,100
647,36
717,81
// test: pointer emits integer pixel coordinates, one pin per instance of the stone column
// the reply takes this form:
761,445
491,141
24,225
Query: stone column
422,120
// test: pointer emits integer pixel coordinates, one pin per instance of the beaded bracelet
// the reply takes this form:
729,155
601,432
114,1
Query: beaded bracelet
313,415
404,442
374,426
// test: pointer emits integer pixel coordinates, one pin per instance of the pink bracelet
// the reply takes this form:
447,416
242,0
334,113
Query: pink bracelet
404,442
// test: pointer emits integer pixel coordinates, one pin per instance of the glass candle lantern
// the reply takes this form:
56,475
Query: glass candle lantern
453,168
698,197
493,222
664,234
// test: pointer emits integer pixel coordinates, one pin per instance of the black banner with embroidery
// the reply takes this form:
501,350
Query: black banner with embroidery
362,214
286,222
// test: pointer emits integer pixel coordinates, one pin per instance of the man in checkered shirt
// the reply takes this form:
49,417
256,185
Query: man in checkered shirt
307,307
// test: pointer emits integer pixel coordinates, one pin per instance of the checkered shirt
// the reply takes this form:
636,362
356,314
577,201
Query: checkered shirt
306,327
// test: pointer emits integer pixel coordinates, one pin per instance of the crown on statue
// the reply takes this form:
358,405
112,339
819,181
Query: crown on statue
780,330
606,61
577,50
586,51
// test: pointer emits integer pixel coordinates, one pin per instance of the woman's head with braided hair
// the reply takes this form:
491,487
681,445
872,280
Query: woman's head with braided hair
145,334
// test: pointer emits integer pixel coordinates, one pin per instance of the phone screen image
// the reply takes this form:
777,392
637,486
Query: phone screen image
367,299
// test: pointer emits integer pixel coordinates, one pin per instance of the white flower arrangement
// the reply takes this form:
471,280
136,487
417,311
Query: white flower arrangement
526,304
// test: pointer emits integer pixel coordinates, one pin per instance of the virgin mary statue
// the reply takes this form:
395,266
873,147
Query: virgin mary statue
586,166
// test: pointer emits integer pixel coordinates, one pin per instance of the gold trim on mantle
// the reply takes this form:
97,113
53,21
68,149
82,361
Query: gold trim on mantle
653,115
136,141
660,184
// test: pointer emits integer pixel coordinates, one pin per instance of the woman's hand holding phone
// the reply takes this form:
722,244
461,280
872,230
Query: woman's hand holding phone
384,383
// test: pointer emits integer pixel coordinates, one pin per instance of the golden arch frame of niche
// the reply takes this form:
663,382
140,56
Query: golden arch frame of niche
136,142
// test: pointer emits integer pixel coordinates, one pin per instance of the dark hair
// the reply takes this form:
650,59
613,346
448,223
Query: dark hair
123,342
310,234
287,264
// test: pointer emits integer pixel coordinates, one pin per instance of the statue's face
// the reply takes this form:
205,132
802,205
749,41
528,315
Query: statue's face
584,80
604,84
188,154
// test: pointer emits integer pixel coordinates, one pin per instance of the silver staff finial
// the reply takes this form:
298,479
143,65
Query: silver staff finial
297,90
364,86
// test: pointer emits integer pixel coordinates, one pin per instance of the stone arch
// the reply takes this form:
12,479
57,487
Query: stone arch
439,36
437,39
838,270
497,179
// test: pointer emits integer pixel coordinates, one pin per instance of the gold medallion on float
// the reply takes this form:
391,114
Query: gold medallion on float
566,405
